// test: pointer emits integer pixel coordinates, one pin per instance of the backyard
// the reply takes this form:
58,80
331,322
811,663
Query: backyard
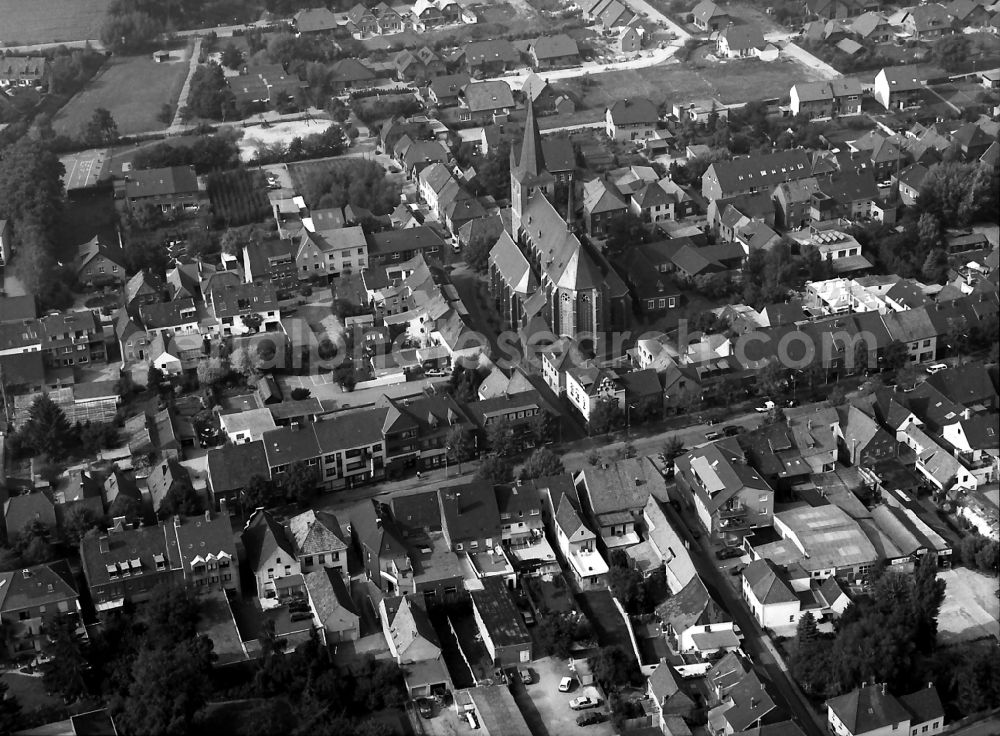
132,88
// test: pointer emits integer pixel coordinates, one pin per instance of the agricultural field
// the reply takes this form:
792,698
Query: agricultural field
133,88
238,197
44,21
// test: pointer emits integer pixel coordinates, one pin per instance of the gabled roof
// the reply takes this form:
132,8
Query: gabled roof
309,20
691,606
748,36
761,171
487,52
635,110
706,10
553,47
262,537
39,585
490,95
868,709
599,197
769,583
901,78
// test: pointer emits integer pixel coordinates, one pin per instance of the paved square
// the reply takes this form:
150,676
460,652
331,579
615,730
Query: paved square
971,609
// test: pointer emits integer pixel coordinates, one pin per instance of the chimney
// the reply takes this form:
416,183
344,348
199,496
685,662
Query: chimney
102,545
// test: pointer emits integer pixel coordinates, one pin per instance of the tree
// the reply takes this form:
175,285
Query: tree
77,521
300,482
101,129
952,52
232,57
477,253
500,436
837,396
129,31
246,364
47,429
209,96
927,597
33,543
612,667
626,583
168,688
987,557
260,493
935,268
171,615
605,416
95,436
542,463
554,634
672,449
10,710
65,671
458,446
181,499
896,355
126,506
494,470
212,371
542,426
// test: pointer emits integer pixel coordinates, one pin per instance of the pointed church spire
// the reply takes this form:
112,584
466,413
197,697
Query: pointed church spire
529,163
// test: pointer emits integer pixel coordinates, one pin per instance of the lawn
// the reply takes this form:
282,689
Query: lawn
733,81
42,21
133,88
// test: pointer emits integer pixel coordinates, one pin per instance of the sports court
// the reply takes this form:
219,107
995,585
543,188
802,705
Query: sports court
85,169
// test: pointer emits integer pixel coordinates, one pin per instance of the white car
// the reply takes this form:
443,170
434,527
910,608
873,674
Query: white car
937,368
768,405
565,684
583,702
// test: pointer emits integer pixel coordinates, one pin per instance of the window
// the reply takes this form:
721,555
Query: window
307,560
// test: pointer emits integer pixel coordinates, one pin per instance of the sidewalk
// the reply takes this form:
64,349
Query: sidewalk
177,123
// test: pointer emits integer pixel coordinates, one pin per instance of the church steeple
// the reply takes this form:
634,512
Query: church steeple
527,168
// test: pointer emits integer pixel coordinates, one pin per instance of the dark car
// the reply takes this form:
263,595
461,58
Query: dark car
736,570
727,553
731,430
589,719
425,707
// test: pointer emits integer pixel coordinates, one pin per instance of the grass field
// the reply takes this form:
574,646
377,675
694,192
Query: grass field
41,21
729,82
133,88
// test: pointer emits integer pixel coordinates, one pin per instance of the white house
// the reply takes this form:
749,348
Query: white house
873,711
587,387
741,42
578,545
769,594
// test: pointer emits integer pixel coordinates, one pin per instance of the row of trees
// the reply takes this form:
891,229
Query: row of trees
207,153
49,435
359,183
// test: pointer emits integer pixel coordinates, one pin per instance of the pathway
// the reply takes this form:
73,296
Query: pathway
648,58
806,59
177,125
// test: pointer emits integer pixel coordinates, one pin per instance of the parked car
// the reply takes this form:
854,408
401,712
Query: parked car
529,618
736,570
937,368
566,684
425,707
727,553
583,702
526,677
768,405
713,435
471,719
589,719
731,430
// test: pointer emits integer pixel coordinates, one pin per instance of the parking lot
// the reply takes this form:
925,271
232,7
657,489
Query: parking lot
542,703
970,609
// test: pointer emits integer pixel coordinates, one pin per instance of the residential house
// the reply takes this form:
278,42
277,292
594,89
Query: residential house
408,630
483,101
319,541
729,497
589,387
349,74
444,90
746,705
826,99
470,517
386,560
630,39
32,599
127,563
740,42
415,432
601,205
552,52
898,87
98,264
23,71
72,338
172,189
615,494
668,546
709,17
793,203
240,309
389,21
501,625
332,605
315,20
489,58
631,119
666,689
270,552
968,14
928,21
753,174
362,22
871,711
768,592
863,440
872,27
330,253
231,468
576,541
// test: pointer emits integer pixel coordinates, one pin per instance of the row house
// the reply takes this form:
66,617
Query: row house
127,563
614,497
240,309
490,58
522,412
173,189
169,319
589,387
753,174
577,542
826,99
23,71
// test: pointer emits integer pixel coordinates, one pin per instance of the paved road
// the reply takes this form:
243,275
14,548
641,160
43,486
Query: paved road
755,643
177,125
644,8
647,58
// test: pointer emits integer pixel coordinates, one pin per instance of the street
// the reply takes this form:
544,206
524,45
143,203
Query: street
755,643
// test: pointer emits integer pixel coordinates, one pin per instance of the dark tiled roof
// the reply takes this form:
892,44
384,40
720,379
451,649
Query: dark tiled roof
499,614
159,182
231,467
263,536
